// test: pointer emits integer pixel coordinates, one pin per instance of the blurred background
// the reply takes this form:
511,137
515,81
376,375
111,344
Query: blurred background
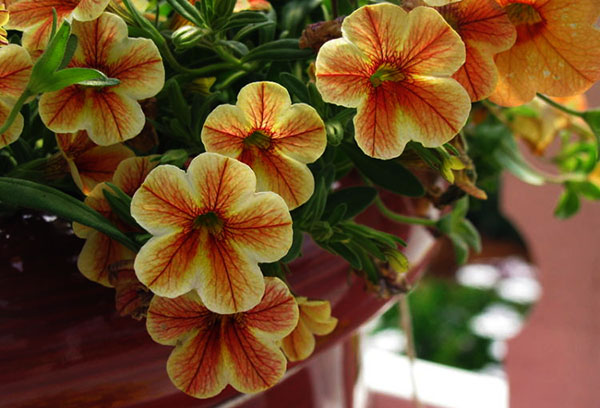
517,326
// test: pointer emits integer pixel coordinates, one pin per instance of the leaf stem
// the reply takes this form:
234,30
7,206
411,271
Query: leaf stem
15,111
403,219
560,107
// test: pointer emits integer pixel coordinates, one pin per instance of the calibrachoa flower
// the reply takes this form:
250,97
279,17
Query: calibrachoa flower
556,53
213,350
99,251
275,138
34,18
131,297
254,5
89,163
315,319
486,31
109,114
3,20
210,232
15,69
395,67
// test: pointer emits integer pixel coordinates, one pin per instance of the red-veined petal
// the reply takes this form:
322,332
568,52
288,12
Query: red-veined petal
224,131
262,103
14,131
64,111
132,172
98,253
15,70
88,10
277,312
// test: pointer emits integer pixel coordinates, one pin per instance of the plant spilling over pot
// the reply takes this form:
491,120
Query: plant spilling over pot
195,144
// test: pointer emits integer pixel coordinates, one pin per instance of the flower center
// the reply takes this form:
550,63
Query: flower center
258,139
210,221
520,14
384,73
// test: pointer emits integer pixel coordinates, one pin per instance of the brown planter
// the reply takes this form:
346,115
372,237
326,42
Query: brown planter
63,345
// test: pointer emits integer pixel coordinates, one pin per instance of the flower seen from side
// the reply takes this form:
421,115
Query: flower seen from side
213,350
210,230
89,163
15,70
34,18
556,52
109,114
314,319
395,68
486,31
100,251
272,136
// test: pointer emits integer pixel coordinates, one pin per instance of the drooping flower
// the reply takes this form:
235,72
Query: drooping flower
210,232
315,319
100,251
556,53
34,18
213,350
395,67
131,297
89,163
3,20
541,129
486,31
15,70
109,114
275,138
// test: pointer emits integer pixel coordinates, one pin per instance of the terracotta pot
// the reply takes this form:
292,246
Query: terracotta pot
63,345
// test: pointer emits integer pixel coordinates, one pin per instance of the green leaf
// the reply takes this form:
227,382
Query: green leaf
349,255
250,28
470,235
356,199
246,18
278,50
237,47
186,10
389,174
179,106
69,51
295,86
27,194
568,204
588,189
461,249
120,203
338,214
80,76
592,118
296,248
53,57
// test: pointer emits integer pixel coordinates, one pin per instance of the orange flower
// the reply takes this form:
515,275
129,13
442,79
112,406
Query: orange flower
213,350
315,318
131,297
90,164
109,114
3,20
556,53
99,251
210,232
395,67
275,138
15,69
34,18
486,31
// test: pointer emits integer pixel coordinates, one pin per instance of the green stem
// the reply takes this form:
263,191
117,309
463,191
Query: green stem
15,111
560,107
403,219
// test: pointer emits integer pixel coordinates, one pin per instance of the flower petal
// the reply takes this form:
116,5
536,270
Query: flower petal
225,130
262,103
342,73
64,111
88,10
290,179
96,201
132,172
557,57
299,344
164,202
98,253
230,282
220,182
317,316
113,117
300,133
14,131
15,70
97,39
168,264
277,312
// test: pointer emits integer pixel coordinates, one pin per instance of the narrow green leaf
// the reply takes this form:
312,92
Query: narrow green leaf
27,194
568,205
278,50
296,248
187,10
593,120
295,86
71,76
357,199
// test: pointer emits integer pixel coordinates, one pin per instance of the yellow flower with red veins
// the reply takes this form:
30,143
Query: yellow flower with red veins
109,114
395,67
486,31
100,251
315,319
34,18
556,53
15,69
275,138
254,5
3,20
89,163
213,350
210,232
